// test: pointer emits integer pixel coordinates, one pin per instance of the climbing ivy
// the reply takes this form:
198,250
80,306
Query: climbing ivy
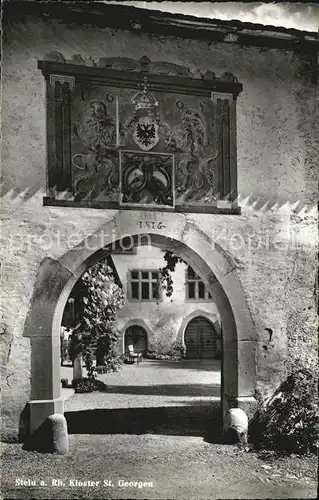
102,299
165,274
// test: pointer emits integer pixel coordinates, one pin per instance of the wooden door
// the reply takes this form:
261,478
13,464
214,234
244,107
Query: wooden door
200,339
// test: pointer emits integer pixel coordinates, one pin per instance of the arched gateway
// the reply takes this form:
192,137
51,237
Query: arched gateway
165,230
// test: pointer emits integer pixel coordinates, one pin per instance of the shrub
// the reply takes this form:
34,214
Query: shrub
178,351
88,385
160,357
289,419
110,365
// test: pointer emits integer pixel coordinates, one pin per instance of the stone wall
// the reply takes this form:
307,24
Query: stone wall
273,241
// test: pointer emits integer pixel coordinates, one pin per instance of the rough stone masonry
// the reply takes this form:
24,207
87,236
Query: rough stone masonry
272,243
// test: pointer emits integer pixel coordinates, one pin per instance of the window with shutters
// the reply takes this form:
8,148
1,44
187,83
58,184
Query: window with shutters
194,287
144,285
145,135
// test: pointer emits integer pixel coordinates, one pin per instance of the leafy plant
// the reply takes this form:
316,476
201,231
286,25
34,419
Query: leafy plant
289,420
178,350
158,356
176,353
110,365
165,274
99,335
86,384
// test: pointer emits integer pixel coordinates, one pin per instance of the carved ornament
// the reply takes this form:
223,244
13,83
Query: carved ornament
62,79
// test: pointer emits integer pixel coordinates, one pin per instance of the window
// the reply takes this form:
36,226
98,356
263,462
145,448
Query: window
195,288
144,285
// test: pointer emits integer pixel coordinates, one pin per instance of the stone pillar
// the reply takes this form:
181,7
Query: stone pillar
229,374
51,290
239,345
229,365
46,397
40,410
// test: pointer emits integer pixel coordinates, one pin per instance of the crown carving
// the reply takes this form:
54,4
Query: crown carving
144,100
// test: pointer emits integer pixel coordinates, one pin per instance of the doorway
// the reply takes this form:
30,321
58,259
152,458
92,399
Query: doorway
200,339
136,336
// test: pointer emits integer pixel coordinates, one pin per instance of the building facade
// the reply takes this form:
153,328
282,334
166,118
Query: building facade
200,137
188,317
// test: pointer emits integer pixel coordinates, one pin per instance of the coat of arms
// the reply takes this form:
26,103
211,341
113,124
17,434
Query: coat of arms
146,133
146,120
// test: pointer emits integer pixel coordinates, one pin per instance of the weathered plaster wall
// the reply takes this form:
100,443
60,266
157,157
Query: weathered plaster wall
164,318
273,242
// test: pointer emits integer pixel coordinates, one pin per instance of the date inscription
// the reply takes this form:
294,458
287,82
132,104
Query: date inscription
150,224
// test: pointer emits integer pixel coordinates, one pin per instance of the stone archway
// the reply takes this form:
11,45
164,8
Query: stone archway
165,230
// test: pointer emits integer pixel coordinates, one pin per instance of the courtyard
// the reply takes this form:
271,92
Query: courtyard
153,433
161,397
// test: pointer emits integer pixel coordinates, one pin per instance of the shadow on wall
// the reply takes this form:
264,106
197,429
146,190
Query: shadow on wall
261,203
167,390
26,191
195,420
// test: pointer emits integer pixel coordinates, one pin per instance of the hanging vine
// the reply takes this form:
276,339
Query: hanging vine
165,274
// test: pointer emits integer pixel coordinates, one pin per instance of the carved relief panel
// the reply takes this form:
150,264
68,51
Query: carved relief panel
140,140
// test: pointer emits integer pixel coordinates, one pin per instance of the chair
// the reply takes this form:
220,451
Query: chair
134,355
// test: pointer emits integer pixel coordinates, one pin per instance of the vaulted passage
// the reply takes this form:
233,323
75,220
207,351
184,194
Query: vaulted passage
200,339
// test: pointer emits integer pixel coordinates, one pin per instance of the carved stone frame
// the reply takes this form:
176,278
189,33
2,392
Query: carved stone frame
62,77
147,206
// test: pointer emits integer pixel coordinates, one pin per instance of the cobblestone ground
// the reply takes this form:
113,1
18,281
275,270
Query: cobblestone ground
154,434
